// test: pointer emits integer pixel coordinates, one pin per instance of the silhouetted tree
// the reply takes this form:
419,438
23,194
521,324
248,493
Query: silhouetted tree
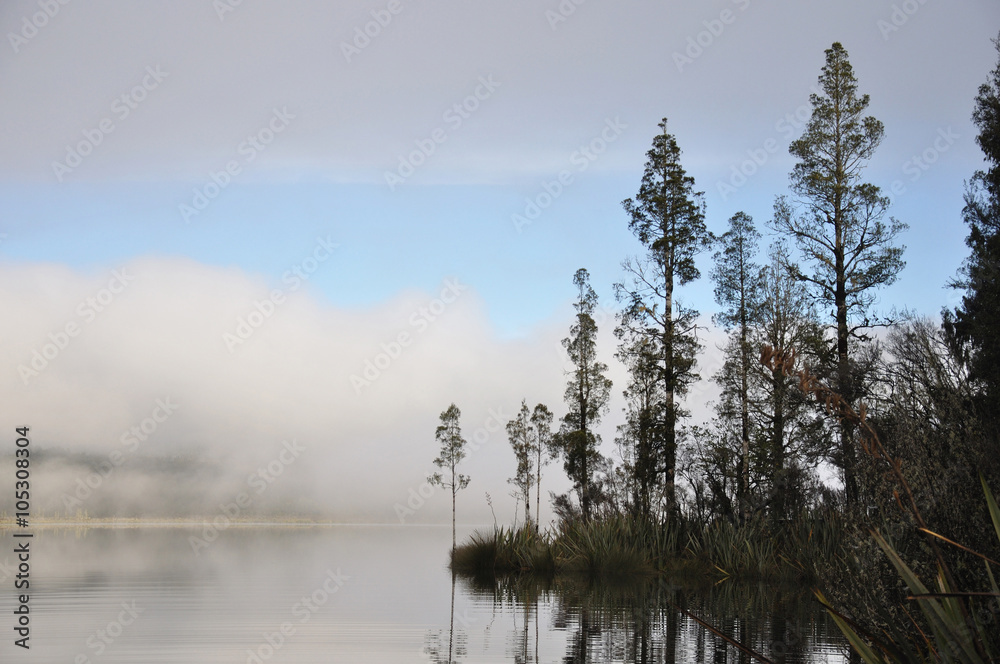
586,394
841,229
544,449
637,438
667,217
520,437
738,286
449,435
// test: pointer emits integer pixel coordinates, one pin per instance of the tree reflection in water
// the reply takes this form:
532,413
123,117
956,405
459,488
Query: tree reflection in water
451,647
643,621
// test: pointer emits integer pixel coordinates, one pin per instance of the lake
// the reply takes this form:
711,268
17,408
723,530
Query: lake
369,594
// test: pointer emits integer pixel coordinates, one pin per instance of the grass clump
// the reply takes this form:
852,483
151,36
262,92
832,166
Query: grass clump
595,548
504,551
617,546
603,548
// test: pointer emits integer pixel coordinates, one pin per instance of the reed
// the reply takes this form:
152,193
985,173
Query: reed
504,551
619,546
614,547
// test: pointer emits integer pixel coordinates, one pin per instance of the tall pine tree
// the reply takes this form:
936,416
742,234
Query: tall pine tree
668,218
586,396
738,285
840,225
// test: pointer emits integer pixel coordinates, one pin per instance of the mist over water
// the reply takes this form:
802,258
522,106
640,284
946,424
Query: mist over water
174,425
375,594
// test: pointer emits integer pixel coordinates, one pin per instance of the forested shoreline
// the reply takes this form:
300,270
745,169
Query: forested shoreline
904,408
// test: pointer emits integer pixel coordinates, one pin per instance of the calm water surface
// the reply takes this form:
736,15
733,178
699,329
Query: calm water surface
368,594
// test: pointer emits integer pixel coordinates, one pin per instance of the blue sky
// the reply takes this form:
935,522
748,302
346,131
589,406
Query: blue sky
490,103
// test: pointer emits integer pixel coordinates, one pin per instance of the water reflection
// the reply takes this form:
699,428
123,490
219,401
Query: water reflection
450,645
397,603
653,620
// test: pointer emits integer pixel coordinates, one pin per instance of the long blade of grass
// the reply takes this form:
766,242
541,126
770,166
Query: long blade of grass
952,594
956,544
859,645
853,632
927,642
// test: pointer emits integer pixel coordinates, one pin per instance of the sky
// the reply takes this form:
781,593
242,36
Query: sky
217,216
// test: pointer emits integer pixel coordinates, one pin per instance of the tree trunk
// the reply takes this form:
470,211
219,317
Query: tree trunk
670,425
744,406
538,489
844,386
778,443
585,469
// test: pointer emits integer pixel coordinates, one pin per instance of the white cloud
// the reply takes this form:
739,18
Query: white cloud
162,338
160,342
